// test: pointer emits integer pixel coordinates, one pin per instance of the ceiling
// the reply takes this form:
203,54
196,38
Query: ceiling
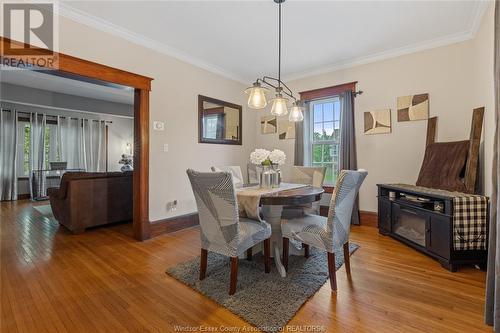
63,85
238,39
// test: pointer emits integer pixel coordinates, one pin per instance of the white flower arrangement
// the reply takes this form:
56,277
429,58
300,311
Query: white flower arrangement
277,157
265,157
259,156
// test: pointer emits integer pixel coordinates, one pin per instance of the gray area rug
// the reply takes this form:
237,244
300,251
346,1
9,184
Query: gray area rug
45,210
267,301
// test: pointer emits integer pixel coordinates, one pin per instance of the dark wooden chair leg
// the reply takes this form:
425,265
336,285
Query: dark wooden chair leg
306,250
331,271
234,275
347,259
203,263
286,246
249,254
267,255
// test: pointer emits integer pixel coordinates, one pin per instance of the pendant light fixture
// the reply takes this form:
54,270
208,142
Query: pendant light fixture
280,104
296,112
256,96
257,93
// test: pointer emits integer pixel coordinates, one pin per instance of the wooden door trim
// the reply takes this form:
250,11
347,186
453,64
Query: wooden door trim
84,70
76,66
141,164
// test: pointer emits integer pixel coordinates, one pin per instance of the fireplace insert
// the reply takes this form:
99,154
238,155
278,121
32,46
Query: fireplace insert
409,224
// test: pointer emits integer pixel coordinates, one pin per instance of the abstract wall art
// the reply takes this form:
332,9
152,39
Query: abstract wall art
413,107
268,124
378,122
286,129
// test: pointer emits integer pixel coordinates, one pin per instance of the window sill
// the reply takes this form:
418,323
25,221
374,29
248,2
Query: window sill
27,178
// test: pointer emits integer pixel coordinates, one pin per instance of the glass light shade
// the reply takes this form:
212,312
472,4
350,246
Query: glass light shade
279,107
256,97
296,113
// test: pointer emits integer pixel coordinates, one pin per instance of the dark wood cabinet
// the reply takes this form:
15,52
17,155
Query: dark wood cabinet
422,227
384,216
439,236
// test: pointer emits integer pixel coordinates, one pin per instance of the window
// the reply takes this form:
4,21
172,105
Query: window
23,150
51,153
325,136
210,126
213,126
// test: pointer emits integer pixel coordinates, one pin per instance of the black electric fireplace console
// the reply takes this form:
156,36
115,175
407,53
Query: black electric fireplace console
425,222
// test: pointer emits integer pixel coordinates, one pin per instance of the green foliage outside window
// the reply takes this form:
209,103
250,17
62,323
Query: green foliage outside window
46,147
26,149
325,137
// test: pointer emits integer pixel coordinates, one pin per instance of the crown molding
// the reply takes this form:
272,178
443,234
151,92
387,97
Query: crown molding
393,53
470,33
479,10
103,25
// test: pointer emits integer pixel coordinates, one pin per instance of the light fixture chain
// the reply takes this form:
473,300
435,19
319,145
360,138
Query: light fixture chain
257,97
279,45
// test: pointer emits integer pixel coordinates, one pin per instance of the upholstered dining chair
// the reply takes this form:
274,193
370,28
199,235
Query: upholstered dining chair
313,176
222,230
330,233
235,172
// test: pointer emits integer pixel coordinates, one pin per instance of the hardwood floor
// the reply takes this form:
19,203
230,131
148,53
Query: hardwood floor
105,281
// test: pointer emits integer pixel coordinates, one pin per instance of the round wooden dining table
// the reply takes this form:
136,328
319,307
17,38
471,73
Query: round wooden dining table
272,208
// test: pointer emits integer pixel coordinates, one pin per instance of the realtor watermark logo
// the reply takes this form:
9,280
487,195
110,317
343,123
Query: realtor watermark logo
31,36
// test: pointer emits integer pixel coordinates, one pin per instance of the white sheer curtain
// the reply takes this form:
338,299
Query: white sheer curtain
79,142
8,154
94,145
52,148
38,124
70,136
82,143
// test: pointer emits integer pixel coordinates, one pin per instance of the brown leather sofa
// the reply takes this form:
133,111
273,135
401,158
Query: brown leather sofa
87,199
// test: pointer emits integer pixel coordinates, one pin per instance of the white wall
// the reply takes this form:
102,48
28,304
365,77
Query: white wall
484,94
120,132
173,100
457,77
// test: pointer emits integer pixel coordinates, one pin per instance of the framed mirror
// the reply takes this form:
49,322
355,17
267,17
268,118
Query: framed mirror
218,121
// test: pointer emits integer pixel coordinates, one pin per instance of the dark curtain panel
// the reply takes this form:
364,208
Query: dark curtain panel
302,150
492,308
347,153
298,155
221,126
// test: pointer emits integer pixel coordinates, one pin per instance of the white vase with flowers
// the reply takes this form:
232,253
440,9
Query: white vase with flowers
268,162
